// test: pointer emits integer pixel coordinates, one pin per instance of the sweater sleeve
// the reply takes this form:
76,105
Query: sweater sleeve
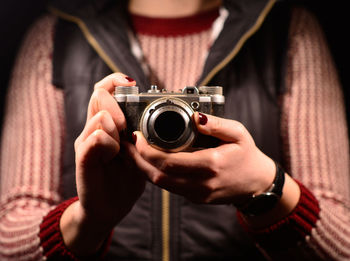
31,156
31,147
315,131
316,149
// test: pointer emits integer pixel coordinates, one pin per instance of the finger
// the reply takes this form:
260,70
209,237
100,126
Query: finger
180,163
103,121
194,187
97,149
115,79
185,185
152,173
101,100
143,165
223,129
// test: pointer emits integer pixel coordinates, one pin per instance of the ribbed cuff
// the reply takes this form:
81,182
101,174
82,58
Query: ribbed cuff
50,234
293,228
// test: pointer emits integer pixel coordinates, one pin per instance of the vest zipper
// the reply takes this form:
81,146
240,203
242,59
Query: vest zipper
165,225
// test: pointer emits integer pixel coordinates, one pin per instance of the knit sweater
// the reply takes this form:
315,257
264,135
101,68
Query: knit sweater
316,148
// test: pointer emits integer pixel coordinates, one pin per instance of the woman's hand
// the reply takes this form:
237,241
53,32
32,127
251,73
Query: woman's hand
229,173
225,174
108,183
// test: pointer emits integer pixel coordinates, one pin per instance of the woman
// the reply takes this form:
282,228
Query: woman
278,81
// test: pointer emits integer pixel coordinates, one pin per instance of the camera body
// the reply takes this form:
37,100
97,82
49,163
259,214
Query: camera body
165,118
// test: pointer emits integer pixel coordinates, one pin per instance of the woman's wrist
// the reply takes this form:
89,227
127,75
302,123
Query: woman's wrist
286,204
84,236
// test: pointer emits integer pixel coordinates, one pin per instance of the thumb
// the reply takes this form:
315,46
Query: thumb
223,129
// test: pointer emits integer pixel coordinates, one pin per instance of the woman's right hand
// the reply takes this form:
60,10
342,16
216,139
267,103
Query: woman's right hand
108,181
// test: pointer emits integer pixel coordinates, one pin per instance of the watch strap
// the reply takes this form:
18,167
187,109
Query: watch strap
278,182
262,203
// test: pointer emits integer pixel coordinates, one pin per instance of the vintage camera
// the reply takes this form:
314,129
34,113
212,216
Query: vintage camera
165,118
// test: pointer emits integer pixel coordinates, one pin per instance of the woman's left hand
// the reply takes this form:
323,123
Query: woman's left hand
229,173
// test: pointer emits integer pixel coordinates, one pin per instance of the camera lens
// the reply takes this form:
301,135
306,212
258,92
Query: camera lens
169,126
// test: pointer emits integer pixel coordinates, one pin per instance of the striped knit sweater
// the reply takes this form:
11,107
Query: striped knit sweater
313,129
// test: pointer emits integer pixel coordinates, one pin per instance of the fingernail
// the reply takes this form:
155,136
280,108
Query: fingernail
134,137
129,79
202,119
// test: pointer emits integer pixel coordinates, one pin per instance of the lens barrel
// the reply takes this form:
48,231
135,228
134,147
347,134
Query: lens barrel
167,124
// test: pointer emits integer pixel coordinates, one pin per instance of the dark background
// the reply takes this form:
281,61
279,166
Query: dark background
17,15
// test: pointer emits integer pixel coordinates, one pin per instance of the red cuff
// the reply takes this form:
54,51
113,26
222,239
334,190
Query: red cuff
51,238
293,228
50,234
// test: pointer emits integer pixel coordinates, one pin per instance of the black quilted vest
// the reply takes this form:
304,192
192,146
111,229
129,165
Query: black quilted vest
247,59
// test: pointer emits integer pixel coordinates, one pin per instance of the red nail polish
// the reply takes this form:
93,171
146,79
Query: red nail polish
134,137
202,119
129,79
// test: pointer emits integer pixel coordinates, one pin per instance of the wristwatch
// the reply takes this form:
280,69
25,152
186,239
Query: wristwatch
262,203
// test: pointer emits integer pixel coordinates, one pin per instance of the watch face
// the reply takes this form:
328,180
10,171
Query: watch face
261,204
